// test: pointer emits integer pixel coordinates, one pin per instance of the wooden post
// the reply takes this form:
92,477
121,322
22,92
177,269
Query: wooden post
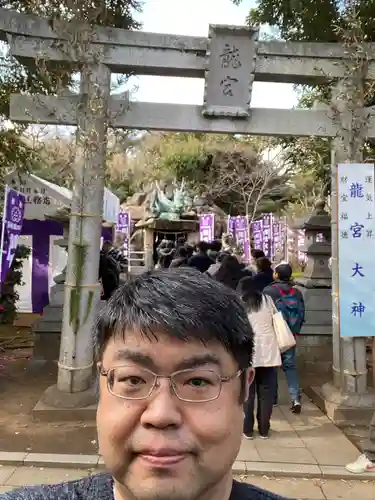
82,290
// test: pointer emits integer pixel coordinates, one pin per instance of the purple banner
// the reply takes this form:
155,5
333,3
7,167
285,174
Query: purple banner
231,225
284,238
267,234
14,210
257,232
276,232
242,235
207,227
123,228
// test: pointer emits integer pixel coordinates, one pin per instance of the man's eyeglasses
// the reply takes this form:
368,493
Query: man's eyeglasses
193,385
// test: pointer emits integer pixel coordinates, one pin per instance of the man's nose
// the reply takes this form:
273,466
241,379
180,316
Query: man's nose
162,408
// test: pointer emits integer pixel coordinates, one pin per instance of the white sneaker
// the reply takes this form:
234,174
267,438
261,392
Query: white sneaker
361,465
248,436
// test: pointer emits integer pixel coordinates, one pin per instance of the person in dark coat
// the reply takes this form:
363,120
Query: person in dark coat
200,260
165,252
181,257
231,272
213,269
264,276
109,271
256,253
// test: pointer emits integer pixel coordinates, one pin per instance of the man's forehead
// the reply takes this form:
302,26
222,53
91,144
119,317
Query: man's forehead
163,348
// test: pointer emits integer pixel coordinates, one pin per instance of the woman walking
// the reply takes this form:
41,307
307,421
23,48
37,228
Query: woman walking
260,310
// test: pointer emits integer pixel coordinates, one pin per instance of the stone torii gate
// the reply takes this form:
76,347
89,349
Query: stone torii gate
229,60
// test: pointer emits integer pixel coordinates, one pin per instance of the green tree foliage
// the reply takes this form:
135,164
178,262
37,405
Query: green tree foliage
318,21
55,160
312,21
15,152
233,172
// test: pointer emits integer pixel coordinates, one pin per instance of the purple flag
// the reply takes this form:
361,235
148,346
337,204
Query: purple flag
267,234
284,238
207,227
231,225
14,210
242,234
123,228
257,231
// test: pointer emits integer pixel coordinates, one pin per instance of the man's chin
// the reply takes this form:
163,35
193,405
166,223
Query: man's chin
160,487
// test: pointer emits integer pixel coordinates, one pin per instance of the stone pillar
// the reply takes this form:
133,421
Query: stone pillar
149,248
315,344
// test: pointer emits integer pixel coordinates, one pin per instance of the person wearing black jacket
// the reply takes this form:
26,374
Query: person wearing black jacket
109,271
264,276
201,260
180,258
231,272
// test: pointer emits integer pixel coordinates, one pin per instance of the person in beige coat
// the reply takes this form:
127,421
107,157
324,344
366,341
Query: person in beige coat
260,310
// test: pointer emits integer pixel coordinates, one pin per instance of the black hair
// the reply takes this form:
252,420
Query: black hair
181,252
190,249
165,260
182,303
216,245
203,246
180,242
284,272
263,264
230,272
256,253
221,255
250,294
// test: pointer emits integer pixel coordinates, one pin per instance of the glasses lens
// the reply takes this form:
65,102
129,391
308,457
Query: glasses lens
130,382
197,385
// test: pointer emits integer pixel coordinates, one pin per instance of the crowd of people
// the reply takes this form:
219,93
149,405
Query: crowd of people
264,291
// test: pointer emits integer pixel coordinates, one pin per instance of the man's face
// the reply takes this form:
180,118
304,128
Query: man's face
162,447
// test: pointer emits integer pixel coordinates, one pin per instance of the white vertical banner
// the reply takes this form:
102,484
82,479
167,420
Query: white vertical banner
356,249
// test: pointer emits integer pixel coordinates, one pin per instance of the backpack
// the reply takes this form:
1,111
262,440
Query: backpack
291,307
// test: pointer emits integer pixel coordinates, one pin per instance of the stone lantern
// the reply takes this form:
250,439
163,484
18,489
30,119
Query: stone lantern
315,345
317,247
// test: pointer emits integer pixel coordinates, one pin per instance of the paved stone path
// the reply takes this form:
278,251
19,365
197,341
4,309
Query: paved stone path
310,441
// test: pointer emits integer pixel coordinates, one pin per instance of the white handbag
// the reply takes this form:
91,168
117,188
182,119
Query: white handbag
284,336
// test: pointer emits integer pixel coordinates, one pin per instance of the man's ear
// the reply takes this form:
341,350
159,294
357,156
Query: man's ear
249,379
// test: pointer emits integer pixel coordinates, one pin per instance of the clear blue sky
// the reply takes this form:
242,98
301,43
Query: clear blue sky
192,17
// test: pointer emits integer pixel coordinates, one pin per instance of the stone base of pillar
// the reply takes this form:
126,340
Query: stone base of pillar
343,409
47,334
314,352
47,330
55,405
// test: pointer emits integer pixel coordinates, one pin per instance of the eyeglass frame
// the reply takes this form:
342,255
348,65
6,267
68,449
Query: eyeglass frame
105,373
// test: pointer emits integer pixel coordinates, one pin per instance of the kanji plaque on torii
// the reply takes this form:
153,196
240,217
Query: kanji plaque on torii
231,58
